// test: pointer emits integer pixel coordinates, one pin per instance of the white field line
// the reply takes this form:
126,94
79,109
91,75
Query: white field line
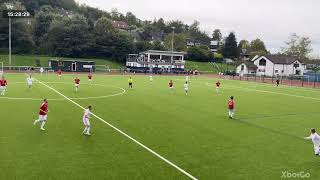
263,91
124,134
62,99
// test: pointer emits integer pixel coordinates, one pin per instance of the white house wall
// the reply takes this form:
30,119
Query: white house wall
264,70
278,69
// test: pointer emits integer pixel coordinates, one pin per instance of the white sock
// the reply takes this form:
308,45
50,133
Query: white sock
37,120
42,124
88,130
85,129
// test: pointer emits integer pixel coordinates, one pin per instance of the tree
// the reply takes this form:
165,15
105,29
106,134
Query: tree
258,48
298,46
199,53
158,45
244,44
216,35
179,43
230,48
42,24
179,27
69,37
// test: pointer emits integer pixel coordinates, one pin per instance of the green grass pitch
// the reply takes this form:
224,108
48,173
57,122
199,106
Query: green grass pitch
193,131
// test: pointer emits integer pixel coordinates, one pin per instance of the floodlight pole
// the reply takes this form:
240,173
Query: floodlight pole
9,41
9,6
172,38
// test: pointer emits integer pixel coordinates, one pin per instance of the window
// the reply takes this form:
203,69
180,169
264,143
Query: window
262,62
276,71
296,65
242,67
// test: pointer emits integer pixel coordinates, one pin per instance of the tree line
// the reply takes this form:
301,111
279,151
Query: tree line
65,29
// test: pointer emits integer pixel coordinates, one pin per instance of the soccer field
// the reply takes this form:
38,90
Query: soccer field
185,134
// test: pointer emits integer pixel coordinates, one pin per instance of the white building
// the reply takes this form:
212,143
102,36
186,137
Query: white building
153,59
246,67
274,65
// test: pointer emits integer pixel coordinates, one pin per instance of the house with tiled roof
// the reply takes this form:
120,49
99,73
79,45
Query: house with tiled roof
273,65
283,65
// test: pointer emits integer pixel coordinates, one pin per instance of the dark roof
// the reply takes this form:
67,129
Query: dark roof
312,62
281,59
164,52
249,64
157,35
70,60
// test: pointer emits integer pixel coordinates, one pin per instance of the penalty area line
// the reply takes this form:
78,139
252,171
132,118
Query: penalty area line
124,134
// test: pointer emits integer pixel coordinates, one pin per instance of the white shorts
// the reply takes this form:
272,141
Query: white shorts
77,85
86,121
2,87
186,89
171,87
29,84
90,79
217,87
59,75
43,117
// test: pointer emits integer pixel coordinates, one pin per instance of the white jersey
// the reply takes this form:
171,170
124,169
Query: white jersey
29,80
86,114
151,78
186,86
315,139
316,142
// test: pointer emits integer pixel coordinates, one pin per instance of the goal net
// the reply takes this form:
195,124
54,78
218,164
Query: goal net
101,69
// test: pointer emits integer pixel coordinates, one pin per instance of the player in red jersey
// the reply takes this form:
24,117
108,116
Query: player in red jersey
77,83
231,107
90,76
218,86
3,86
171,86
42,114
59,73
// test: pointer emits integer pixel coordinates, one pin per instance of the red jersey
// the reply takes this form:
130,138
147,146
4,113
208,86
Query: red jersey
59,72
218,84
90,76
43,109
231,104
170,84
77,81
3,82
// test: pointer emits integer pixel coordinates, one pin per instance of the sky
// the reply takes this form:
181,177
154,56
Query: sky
270,20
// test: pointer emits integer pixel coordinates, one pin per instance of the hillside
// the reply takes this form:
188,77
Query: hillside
27,60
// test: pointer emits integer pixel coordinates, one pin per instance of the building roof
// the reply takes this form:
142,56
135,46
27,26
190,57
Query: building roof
249,64
70,60
312,62
120,25
164,52
281,59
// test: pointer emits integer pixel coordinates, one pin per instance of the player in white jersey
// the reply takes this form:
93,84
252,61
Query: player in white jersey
186,87
86,121
29,81
315,138
150,79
